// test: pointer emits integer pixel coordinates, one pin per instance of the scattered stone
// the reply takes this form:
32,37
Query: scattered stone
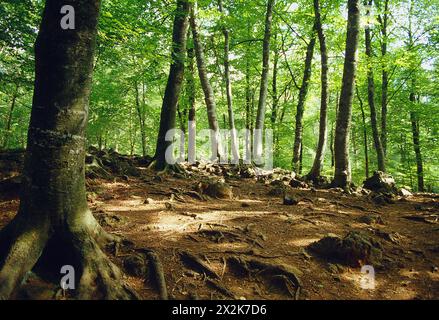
371,219
277,183
277,191
382,199
355,250
148,201
294,183
108,219
169,206
381,182
290,201
135,265
391,237
218,190
404,193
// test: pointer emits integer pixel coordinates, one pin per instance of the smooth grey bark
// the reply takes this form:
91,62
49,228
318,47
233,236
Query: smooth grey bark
260,116
173,86
365,141
383,20
371,95
303,92
317,167
248,113
233,135
54,226
342,174
190,89
209,98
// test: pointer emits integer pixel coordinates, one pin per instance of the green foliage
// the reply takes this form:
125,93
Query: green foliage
132,64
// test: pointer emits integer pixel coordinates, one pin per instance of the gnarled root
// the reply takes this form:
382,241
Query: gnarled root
100,278
36,248
19,251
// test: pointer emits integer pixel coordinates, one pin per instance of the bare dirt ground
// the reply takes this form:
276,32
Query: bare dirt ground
160,213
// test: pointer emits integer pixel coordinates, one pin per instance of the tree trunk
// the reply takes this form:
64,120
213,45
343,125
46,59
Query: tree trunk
413,115
216,147
234,139
173,87
301,103
274,93
417,145
316,169
260,116
141,120
190,87
9,119
248,117
342,175
384,21
54,226
366,147
371,96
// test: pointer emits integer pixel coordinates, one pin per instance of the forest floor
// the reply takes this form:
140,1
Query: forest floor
163,213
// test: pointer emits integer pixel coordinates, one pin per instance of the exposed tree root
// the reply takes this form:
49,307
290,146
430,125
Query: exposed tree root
197,264
220,288
158,274
285,274
19,251
166,168
100,278
46,250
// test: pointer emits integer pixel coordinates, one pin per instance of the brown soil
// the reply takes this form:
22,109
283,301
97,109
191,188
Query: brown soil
254,225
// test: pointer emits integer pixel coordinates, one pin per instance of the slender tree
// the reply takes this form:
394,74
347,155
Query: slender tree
54,226
342,175
303,92
234,139
260,116
371,94
175,80
190,88
365,141
209,98
414,99
383,20
316,169
7,133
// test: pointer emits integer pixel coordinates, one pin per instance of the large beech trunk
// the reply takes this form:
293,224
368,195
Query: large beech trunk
342,175
316,169
54,226
173,86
